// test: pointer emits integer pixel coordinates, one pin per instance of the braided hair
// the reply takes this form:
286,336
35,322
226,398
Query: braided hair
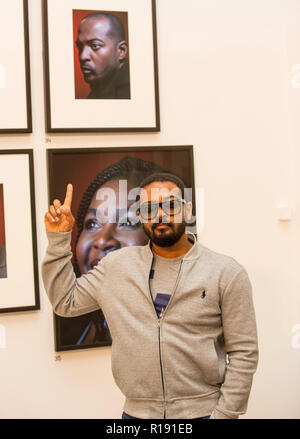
130,168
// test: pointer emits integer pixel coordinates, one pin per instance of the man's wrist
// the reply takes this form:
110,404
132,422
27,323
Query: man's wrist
59,238
219,414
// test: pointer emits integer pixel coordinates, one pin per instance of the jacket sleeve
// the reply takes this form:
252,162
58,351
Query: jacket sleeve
240,335
69,296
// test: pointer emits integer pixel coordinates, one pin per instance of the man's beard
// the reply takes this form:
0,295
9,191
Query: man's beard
165,238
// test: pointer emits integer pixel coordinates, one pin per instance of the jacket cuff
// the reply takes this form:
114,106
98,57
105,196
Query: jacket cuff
59,239
217,414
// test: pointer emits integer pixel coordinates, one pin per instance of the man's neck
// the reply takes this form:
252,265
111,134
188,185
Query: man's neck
180,248
102,84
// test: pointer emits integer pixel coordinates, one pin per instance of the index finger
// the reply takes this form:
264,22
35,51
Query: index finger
69,194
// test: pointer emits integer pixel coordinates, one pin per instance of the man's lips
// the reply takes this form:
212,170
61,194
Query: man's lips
161,226
86,69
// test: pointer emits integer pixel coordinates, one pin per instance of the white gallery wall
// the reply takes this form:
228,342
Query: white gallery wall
228,85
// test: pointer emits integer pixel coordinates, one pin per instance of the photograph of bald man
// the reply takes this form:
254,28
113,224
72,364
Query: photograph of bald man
103,55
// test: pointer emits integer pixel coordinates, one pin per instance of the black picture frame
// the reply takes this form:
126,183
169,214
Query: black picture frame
83,165
52,127
27,104
33,288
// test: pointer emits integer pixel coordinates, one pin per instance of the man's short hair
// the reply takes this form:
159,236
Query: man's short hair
163,176
116,31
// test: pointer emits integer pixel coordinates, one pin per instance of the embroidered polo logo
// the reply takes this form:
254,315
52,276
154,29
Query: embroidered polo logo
203,294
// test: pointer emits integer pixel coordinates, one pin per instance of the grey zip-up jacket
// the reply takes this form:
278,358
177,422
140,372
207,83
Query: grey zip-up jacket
198,359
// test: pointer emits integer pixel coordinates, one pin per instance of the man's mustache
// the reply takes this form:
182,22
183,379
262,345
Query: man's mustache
162,222
86,66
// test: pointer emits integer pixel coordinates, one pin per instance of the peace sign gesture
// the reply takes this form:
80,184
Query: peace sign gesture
59,218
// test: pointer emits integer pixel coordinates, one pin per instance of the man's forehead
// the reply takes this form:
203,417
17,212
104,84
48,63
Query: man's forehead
94,27
160,190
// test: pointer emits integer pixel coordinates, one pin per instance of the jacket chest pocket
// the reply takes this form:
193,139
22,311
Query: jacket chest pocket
200,309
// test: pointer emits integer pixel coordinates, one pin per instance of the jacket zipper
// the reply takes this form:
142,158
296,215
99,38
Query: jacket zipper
161,368
159,329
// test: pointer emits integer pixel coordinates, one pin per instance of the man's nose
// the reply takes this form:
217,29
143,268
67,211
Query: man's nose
84,54
161,215
105,239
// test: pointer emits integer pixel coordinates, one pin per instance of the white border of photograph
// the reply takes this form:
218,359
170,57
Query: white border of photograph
65,113
19,290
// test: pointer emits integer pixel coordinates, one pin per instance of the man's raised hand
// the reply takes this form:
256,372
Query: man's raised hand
59,218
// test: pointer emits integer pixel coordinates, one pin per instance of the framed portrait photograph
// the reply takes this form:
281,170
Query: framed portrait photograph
106,169
15,92
101,66
19,285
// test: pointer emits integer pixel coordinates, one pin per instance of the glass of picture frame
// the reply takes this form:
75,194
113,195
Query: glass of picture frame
91,168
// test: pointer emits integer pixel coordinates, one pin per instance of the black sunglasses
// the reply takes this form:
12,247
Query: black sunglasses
171,207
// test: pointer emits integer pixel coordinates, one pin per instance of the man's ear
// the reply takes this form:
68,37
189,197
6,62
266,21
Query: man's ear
122,50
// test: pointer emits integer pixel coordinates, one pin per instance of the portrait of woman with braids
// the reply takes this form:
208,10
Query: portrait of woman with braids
96,238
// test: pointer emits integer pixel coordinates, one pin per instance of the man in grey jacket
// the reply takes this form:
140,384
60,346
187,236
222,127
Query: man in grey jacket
184,339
